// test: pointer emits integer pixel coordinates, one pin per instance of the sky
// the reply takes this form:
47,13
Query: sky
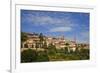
71,25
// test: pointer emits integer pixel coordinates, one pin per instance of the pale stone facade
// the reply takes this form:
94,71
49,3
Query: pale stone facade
60,43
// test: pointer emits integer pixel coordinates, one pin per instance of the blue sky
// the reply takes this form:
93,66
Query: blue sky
56,24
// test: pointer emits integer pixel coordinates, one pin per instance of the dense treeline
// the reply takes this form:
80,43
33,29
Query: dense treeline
53,54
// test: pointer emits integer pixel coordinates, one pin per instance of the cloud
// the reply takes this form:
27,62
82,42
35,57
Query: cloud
61,29
45,20
53,24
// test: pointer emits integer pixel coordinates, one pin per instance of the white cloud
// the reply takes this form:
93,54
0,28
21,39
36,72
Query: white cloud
61,29
48,20
52,24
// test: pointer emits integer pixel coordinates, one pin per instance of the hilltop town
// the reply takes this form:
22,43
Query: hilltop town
40,48
37,41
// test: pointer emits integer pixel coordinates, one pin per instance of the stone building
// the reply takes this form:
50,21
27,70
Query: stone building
33,42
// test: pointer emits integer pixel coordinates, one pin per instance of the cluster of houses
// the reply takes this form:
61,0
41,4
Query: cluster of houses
59,42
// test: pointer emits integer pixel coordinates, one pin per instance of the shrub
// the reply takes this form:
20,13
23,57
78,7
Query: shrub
28,56
51,49
42,56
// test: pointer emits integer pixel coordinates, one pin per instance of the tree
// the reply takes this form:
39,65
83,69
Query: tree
42,56
66,50
85,53
23,38
67,47
28,56
51,49
41,39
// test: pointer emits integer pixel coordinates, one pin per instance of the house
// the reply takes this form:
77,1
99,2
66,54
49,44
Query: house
33,42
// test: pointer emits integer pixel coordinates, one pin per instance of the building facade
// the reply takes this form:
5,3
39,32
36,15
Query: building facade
33,42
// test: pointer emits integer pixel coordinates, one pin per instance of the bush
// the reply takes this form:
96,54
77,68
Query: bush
33,56
51,49
42,56
85,54
28,56
53,54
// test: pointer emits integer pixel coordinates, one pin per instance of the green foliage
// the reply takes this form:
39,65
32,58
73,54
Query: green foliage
41,37
60,50
85,54
51,49
66,50
33,56
42,56
28,56
23,36
41,40
53,54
